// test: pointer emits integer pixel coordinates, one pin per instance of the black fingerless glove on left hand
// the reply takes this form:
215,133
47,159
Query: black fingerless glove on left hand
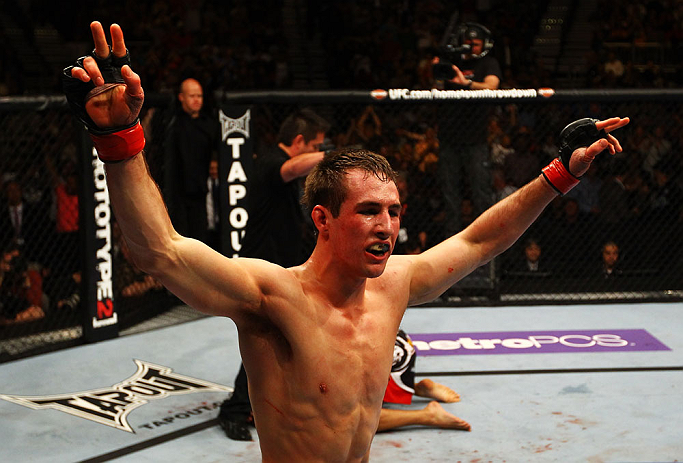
78,92
113,144
578,134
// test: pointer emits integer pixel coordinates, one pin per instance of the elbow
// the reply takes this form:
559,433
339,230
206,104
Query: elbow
495,251
150,260
487,252
148,263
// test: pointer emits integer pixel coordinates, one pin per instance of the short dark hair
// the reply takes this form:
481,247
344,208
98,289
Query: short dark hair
609,243
531,241
305,122
325,184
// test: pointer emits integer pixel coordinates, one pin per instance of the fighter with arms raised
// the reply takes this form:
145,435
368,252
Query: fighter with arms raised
317,339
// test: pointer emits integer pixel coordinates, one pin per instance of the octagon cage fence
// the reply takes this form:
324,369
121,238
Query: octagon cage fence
65,268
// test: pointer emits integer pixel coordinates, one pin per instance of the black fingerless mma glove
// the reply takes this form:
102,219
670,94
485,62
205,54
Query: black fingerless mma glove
577,134
113,144
78,92
580,133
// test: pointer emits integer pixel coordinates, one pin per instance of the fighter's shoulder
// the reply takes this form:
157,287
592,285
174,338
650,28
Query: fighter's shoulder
392,288
269,276
281,290
399,266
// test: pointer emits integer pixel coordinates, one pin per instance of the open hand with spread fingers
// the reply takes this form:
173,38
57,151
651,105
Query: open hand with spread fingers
580,142
107,96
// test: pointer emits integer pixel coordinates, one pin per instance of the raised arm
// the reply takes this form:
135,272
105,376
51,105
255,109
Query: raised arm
107,96
299,166
438,268
201,277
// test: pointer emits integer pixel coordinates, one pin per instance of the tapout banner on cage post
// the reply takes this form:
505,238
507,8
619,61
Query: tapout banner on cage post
234,171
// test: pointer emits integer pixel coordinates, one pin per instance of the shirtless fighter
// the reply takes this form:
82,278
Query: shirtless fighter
316,340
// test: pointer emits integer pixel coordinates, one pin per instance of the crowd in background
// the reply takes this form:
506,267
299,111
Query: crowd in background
247,45
637,45
244,45
620,199
383,45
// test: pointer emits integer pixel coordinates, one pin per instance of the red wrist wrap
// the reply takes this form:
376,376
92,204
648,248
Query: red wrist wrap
120,146
559,177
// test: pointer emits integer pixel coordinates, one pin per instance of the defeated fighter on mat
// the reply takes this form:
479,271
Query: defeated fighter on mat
402,387
317,339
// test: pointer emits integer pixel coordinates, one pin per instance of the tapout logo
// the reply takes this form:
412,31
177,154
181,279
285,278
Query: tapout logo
517,342
237,177
111,406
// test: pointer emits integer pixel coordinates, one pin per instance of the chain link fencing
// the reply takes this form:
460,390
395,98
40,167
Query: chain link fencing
615,237
39,228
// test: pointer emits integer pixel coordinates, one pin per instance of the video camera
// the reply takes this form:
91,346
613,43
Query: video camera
454,45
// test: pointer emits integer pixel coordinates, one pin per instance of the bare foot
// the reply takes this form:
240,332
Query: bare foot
442,419
430,389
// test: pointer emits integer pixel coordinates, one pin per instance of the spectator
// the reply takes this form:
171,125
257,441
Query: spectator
412,235
531,263
610,260
501,186
426,146
638,191
664,213
16,303
570,232
587,193
522,164
70,298
501,148
65,187
370,129
613,200
20,224
614,69
666,197
658,150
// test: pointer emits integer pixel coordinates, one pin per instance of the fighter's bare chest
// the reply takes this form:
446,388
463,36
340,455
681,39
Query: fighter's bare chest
350,352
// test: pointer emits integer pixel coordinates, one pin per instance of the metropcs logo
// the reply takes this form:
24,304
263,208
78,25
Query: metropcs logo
111,406
520,342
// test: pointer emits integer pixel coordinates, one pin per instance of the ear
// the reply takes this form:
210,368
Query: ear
298,141
321,217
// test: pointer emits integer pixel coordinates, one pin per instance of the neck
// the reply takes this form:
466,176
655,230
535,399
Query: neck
287,149
324,276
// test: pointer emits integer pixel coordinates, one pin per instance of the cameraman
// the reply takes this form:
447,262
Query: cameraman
465,64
